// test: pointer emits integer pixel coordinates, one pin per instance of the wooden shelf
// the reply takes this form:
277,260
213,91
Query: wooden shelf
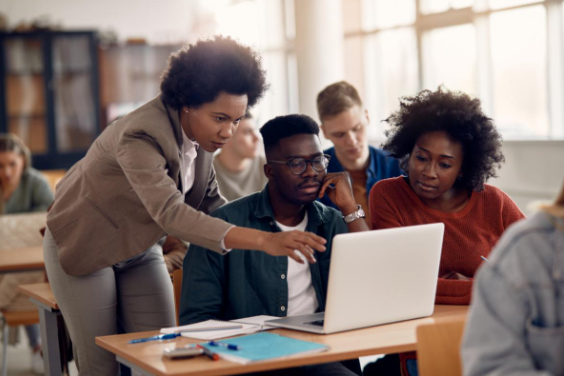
19,74
72,72
26,116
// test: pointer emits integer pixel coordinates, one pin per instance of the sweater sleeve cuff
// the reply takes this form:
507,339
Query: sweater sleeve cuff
454,292
224,250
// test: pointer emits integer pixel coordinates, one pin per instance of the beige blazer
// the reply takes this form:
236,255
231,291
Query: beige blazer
126,193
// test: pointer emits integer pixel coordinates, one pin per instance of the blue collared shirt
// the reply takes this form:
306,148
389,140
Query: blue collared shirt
246,283
381,166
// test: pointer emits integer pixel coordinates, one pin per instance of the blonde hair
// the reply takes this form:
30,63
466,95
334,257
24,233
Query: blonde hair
336,98
557,208
9,142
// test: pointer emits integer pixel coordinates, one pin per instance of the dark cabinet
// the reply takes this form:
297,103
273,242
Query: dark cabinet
49,93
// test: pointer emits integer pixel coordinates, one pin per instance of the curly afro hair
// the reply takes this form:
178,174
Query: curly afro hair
458,115
198,73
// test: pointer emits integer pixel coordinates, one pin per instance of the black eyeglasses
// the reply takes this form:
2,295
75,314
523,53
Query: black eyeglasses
299,165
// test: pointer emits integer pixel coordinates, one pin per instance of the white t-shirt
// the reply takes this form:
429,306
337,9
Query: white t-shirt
301,294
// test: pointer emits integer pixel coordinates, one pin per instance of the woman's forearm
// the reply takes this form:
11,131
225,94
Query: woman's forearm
245,238
276,243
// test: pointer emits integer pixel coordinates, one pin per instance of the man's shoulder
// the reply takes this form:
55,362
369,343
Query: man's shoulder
377,151
334,164
382,157
239,206
330,151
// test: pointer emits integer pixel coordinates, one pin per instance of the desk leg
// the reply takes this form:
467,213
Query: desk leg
135,370
50,342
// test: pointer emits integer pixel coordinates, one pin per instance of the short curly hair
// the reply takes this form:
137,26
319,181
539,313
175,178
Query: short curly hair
286,126
199,72
461,117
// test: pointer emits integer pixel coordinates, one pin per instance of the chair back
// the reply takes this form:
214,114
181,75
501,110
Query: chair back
53,177
438,348
177,286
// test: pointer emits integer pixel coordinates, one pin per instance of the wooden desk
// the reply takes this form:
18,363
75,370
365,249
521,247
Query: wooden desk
21,230
42,295
22,260
146,358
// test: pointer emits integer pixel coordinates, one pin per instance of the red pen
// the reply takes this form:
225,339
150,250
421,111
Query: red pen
209,353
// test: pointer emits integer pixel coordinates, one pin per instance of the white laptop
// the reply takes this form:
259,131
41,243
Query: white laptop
377,277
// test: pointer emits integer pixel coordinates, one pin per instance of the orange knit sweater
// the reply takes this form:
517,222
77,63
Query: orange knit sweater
469,233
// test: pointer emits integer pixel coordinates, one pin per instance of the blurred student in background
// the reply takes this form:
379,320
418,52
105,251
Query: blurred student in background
239,165
22,190
515,324
344,121
449,149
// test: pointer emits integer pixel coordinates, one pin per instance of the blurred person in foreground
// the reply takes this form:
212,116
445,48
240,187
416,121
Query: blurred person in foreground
516,321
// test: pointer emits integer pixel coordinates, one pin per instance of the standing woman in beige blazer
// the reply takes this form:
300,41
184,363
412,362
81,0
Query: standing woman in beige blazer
147,175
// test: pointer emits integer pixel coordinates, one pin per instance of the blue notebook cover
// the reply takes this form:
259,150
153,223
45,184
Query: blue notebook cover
263,346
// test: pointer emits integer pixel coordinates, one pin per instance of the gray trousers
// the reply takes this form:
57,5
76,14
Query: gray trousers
136,294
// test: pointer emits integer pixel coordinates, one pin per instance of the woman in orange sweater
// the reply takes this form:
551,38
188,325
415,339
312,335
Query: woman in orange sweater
449,149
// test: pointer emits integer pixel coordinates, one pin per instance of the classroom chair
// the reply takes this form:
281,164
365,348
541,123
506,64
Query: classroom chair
438,348
177,286
14,319
53,177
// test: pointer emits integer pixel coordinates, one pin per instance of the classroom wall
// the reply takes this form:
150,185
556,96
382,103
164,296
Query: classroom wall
158,22
533,171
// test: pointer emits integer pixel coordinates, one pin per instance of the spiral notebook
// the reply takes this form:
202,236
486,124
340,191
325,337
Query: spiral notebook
215,329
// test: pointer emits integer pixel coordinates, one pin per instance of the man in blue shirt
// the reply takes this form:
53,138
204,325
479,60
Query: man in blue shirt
344,122
245,283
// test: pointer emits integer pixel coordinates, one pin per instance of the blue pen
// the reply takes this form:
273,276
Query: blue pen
159,337
228,345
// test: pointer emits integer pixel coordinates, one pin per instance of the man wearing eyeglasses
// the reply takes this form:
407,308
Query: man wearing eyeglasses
243,284
344,121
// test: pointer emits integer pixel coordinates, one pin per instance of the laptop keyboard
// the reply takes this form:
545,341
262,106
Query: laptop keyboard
317,322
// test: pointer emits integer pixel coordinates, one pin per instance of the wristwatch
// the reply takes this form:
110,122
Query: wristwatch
354,215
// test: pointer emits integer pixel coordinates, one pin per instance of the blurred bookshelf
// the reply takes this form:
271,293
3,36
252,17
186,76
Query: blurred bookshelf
60,89
130,75
49,93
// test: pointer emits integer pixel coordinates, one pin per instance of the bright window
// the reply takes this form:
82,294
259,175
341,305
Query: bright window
268,26
496,50
434,6
390,72
519,72
449,56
